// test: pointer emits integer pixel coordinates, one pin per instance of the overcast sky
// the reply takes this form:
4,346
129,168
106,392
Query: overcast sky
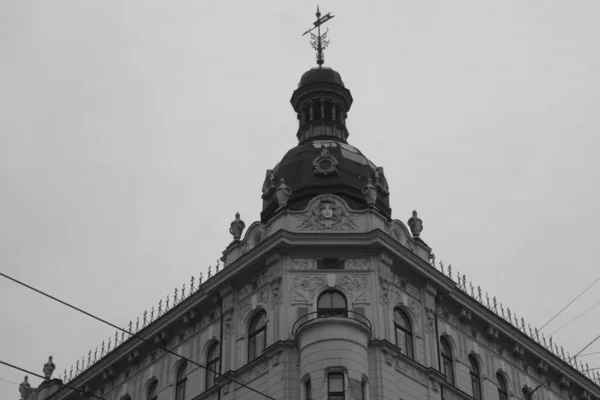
132,132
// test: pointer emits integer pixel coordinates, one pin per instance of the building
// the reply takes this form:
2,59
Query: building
326,297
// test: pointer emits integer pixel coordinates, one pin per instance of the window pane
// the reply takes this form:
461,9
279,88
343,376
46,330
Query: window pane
338,301
260,342
324,301
336,383
401,319
252,348
336,397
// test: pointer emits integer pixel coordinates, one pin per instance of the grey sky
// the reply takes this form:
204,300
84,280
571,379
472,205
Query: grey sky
131,133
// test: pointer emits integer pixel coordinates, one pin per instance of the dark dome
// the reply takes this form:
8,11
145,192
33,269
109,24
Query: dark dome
319,75
324,167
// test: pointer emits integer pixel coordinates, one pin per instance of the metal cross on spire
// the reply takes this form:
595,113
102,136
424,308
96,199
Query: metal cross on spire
319,41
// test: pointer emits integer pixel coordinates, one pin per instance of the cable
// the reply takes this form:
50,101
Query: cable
590,354
4,380
572,301
560,369
577,317
132,334
50,380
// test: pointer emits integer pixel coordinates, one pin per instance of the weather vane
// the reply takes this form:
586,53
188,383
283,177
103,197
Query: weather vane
319,42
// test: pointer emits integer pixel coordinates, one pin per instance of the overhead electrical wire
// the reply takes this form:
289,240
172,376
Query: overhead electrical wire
571,302
49,380
132,334
560,369
576,318
4,380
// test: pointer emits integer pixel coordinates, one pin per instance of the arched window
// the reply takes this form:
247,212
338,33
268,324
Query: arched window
335,386
502,387
331,303
475,378
180,382
307,389
152,390
257,335
212,364
447,365
404,337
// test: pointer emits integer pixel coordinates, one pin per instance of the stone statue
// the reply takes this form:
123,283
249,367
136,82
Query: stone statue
268,185
415,224
237,227
370,193
283,193
380,182
49,368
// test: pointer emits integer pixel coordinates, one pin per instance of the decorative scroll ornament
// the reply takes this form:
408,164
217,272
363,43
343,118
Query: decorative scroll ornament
325,164
283,193
237,227
370,193
268,185
304,263
416,224
328,213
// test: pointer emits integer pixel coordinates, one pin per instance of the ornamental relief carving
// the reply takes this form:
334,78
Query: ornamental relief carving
304,287
304,263
359,264
244,308
358,285
276,291
390,295
327,213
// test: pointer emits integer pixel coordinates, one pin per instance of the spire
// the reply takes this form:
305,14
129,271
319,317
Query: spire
319,41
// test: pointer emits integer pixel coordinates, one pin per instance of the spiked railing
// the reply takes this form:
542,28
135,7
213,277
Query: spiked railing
511,317
133,328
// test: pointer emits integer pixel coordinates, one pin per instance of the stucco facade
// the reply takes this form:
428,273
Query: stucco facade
326,297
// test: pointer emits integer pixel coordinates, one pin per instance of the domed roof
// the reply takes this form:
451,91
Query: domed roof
321,75
323,167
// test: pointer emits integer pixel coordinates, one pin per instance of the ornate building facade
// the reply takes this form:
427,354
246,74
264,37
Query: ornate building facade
326,297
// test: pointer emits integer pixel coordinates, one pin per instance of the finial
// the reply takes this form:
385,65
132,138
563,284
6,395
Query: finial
183,291
175,297
217,266
49,368
319,41
209,271
152,314
415,224
24,387
200,280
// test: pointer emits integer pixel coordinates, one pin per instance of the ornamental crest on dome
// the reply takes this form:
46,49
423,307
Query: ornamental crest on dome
325,164
327,213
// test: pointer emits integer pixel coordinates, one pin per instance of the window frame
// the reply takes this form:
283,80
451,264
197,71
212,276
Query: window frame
211,374
152,393
332,311
408,346
180,380
502,387
447,360
253,332
475,374
336,395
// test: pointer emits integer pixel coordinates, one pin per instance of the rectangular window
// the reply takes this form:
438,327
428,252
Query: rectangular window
330,263
335,386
